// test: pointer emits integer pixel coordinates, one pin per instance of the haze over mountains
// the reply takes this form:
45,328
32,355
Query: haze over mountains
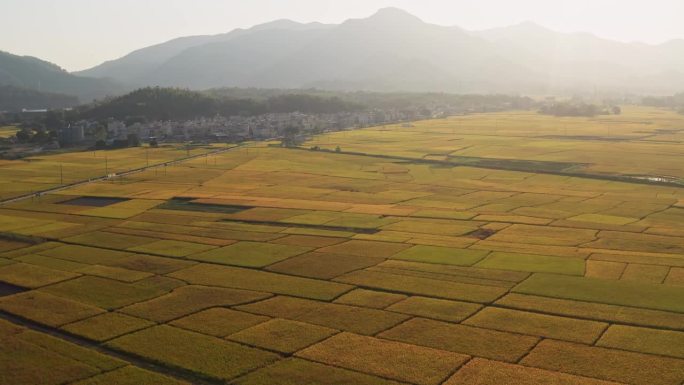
33,74
389,51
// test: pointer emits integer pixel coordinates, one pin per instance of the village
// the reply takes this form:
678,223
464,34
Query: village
115,133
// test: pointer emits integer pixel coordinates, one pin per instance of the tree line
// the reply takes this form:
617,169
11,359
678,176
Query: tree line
154,103
577,108
387,100
675,102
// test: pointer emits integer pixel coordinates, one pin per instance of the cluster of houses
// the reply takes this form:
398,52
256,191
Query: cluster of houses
234,128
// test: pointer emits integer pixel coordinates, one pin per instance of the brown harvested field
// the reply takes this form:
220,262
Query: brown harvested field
606,364
131,375
47,309
288,266
370,298
219,321
542,325
323,265
32,276
645,340
502,346
206,356
486,372
107,326
394,360
283,336
355,319
187,300
294,371
440,309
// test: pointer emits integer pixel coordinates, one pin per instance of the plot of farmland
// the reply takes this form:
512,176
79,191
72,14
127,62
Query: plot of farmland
291,266
42,172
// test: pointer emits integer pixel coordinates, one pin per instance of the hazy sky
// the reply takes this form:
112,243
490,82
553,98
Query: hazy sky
77,34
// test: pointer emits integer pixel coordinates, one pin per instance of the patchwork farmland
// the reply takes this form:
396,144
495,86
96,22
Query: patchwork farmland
270,265
34,174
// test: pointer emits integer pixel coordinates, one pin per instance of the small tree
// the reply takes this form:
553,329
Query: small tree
100,133
338,149
54,120
133,140
24,135
290,136
41,136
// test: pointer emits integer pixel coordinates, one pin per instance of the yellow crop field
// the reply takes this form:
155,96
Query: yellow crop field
652,138
42,172
430,254
8,131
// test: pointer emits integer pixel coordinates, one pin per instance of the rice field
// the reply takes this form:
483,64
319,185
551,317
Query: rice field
8,131
42,172
652,137
270,265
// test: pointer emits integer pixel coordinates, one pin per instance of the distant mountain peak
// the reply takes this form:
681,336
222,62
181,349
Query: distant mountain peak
393,49
32,59
290,25
394,15
277,24
28,72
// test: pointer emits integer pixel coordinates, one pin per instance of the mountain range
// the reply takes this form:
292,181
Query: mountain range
391,50
30,73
